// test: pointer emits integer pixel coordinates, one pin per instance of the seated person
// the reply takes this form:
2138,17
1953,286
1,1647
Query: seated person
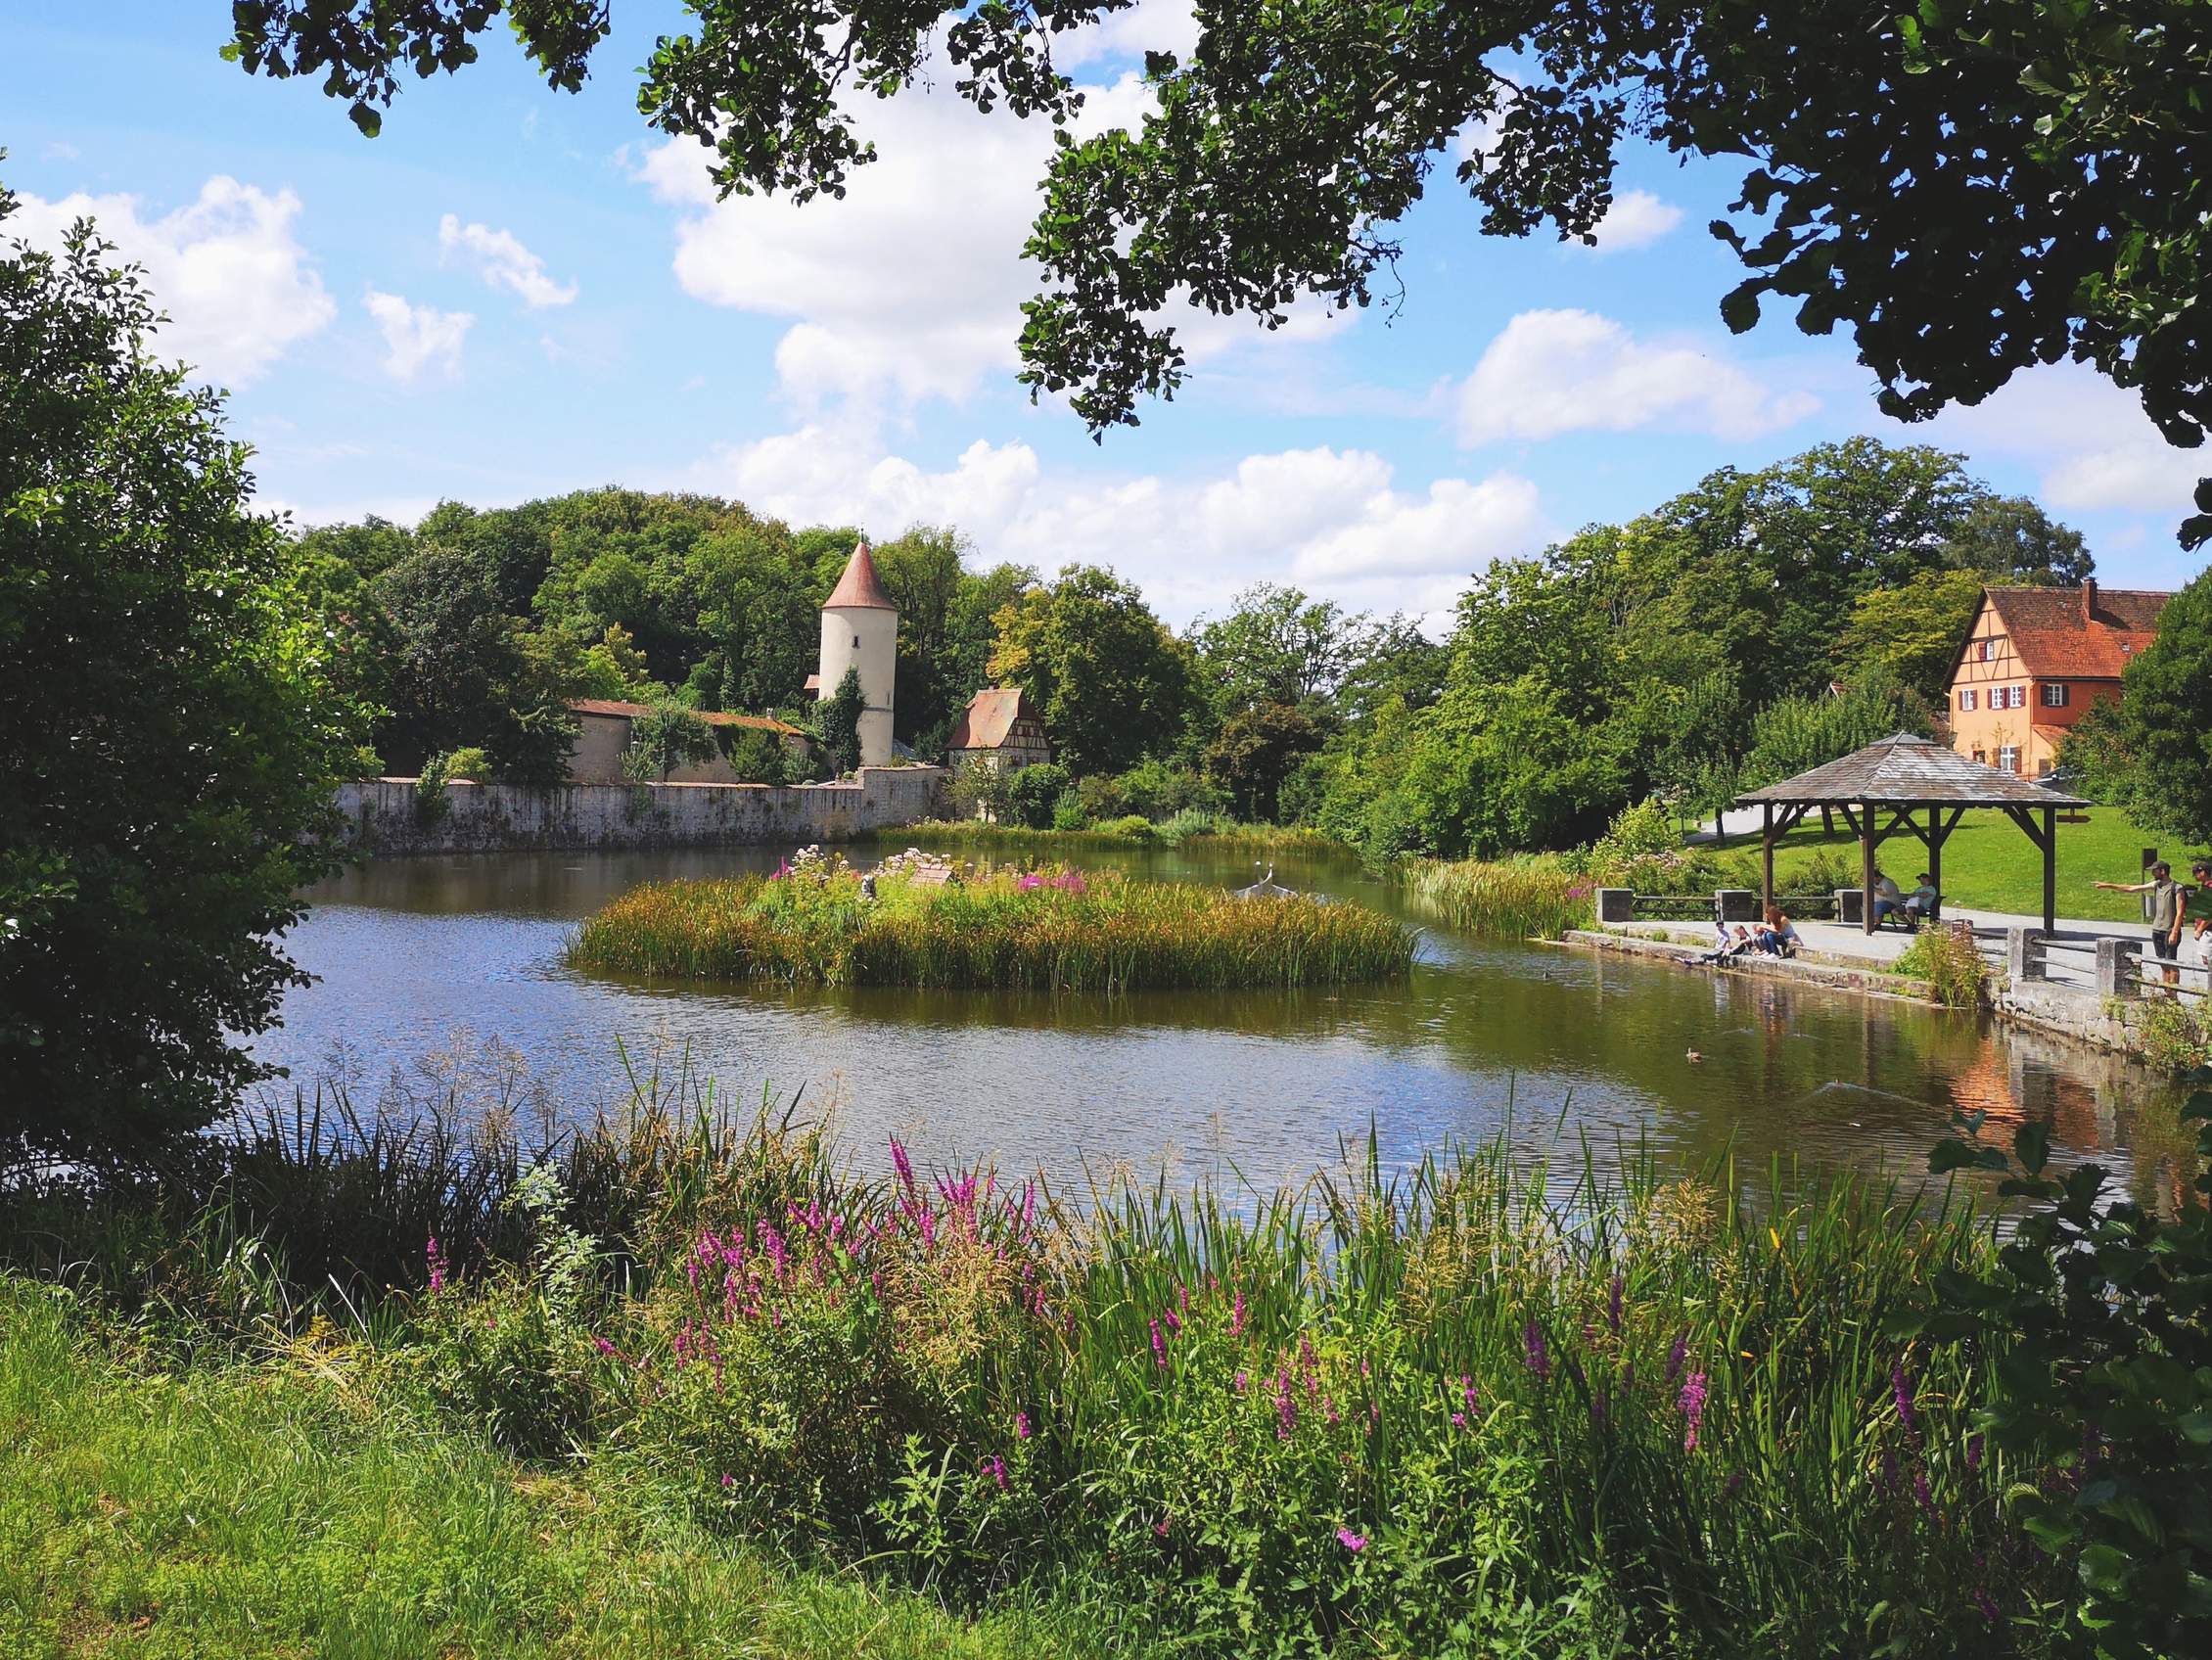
1920,903
1779,934
1726,943
1889,901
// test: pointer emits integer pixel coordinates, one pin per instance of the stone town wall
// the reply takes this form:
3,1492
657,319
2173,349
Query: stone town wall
380,813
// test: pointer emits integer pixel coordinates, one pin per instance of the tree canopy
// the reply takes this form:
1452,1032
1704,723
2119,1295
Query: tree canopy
2060,145
177,717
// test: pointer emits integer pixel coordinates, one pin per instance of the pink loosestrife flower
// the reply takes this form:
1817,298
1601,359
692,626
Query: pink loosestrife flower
1021,1426
1674,1357
1694,1408
1159,1347
435,1257
1237,1312
1352,1542
1537,1354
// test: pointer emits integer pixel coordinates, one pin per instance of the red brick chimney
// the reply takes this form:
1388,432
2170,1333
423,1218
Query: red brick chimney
2089,600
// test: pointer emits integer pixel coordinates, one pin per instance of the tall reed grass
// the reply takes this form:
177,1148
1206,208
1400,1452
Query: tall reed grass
1472,1407
1060,931
1528,898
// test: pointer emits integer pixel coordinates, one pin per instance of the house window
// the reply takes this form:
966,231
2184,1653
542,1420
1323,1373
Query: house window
2043,768
1989,650
2054,694
856,643
1965,700
1981,755
2018,698
2008,760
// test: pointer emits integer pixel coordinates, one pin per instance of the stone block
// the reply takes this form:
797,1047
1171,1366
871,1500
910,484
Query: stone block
1737,904
1851,907
1616,904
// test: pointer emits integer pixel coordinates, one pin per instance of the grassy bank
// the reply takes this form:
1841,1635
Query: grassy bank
1065,929
1195,830
298,1504
1467,1412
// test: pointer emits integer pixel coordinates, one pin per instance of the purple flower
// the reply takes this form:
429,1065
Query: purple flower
1240,1382
905,1167
1694,1408
1467,1392
1021,1426
1159,1347
995,1467
1538,1355
1160,1527
1973,1454
727,1483
1901,1387
1674,1357
1988,1607
437,1260
1459,1420
1352,1542
1237,1312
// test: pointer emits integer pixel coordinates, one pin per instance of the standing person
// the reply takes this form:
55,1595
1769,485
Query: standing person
2196,911
2165,914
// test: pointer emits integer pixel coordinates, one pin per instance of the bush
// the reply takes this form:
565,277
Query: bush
367,763
977,790
2101,1315
1068,812
471,765
1134,827
665,737
431,803
758,757
1034,791
1194,822
1945,957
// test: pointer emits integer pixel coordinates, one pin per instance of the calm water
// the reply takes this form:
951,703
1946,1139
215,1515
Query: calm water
448,971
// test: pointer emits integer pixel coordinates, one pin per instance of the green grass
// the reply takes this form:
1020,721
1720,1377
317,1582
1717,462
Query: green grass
1989,864
1064,931
286,1508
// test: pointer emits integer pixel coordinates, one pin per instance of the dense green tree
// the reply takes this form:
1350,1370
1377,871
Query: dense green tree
174,727
2009,539
758,757
1112,683
453,655
2165,720
2057,144
1279,646
1254,750
1911,633
1794,734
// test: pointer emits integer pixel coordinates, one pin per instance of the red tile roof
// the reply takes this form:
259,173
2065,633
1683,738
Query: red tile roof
2085,634
713,716
859,588
987,719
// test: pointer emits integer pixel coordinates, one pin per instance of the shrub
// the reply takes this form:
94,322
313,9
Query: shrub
1194,822
758,757
1034,791
665,737
1642,831
431,803
1945,957
1068,812
367,763
2101,1312
1132,827
978,789
471,765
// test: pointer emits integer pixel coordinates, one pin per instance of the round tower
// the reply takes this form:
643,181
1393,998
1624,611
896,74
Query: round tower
860,630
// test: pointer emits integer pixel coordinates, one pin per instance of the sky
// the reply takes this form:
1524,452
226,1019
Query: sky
514,292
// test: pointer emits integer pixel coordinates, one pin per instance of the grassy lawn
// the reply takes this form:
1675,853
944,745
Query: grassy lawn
1988,865
277,1508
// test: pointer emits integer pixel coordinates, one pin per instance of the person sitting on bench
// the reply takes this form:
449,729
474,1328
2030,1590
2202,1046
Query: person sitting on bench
1889,901
1923,903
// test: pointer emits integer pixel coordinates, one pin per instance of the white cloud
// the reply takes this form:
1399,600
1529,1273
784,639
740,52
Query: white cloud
1637,219
238,288
417,337
911,287
1554,372
1331,520
2089,441
502,260
1149,25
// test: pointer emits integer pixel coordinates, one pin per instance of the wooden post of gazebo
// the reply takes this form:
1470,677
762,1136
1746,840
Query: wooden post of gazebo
1901,774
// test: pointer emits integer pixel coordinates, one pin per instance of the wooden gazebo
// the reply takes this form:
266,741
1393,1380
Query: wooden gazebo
1906,776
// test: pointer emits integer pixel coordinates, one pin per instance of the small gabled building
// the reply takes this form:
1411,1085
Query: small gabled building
2034,660
1001,728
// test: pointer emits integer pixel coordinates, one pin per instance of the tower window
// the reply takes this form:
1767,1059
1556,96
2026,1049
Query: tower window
856,643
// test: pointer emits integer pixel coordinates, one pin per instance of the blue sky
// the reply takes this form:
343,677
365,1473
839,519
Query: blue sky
514,292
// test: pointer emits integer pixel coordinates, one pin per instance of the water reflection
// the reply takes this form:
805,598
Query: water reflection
1561,1044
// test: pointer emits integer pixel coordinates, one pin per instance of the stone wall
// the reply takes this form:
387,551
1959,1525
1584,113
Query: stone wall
380,813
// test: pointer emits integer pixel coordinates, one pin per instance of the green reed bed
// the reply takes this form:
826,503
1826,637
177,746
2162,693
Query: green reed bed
1064,930
1469,1409
1528,898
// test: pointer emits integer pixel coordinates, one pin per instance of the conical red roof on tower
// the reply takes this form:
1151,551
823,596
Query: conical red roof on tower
859,588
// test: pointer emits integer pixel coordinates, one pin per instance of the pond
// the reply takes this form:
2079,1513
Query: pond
446,972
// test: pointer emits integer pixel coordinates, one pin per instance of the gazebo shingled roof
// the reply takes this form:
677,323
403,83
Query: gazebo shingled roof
1901,773
1902,770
